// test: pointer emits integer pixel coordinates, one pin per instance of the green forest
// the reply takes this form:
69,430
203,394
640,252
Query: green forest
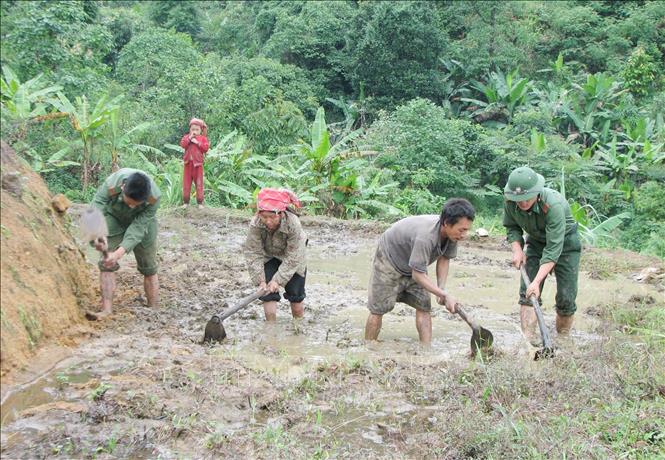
365,109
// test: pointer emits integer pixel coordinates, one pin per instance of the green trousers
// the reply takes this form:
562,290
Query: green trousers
566,271
145,252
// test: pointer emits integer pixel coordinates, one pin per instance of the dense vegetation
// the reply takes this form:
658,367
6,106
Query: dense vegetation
364,108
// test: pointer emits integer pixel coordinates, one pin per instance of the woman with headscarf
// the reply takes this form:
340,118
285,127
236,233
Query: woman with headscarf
275,251
195,143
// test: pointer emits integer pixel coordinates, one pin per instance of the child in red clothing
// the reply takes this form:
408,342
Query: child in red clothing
195,144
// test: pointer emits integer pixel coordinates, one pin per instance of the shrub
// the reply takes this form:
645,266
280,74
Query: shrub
419,135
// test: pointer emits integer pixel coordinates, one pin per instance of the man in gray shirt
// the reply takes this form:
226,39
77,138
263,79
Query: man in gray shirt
404,252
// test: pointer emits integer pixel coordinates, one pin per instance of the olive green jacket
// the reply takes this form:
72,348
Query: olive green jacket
549,221
120,218
287,244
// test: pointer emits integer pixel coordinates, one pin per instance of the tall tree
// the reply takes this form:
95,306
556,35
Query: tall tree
60,39
181,16
395,51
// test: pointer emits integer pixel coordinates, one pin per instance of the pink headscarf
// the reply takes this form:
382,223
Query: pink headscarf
277,200
201,123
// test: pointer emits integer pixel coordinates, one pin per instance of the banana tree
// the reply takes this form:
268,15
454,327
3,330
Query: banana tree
350,111
23,102
86,123
503,94
370,197
323,157
590,111
43,163
121,141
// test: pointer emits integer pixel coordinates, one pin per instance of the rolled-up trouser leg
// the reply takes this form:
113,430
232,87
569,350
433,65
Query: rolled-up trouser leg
146,252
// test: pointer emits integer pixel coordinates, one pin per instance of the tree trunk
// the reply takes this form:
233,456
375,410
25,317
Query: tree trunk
114,160
86,166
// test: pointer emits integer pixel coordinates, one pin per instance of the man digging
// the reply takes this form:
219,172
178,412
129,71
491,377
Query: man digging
129,200
275,251
400,264
552,244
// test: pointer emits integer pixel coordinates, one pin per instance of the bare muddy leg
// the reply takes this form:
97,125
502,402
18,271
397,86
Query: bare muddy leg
298,309
107,284
151,286
424,326
528,322
270,310
373,326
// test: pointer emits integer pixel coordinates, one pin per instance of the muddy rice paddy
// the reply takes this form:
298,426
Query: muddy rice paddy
143,385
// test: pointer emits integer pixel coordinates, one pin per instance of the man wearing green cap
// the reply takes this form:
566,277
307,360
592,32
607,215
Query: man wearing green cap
552,243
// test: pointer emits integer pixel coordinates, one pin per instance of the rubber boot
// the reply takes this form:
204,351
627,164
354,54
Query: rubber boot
151,286
528,321
564,324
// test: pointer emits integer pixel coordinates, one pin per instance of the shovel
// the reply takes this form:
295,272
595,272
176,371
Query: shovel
481,338
93,227
214,331
548,349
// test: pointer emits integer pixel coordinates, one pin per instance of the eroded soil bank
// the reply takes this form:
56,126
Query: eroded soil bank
40,263
144,387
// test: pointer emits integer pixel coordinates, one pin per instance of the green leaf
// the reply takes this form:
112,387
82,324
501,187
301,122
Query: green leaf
318,128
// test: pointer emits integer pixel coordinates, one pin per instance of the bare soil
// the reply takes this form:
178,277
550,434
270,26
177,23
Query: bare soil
41,264
143,386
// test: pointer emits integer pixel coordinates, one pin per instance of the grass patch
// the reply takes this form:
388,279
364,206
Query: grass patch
603,401
31,325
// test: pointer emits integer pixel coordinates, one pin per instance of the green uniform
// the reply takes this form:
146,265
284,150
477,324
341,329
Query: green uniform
552,237
133,229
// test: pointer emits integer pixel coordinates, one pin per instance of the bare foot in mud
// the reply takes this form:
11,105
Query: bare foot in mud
373,345
297,325
97,316
200,206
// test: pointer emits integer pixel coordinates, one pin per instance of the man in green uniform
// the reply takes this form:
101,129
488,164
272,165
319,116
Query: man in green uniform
552,243
129,200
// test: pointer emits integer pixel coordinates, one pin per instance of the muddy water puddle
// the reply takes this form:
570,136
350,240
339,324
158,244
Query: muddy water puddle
46,392
336,313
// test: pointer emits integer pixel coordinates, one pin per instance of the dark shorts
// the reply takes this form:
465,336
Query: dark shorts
566,271
294,291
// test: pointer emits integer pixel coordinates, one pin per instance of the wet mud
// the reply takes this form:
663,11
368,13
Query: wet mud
144,386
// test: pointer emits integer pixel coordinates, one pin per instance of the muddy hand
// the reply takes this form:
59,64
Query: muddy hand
519,258
533,290
272,286
112,258
450,302
100,244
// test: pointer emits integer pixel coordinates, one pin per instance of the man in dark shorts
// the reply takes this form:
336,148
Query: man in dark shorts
275,251
404,252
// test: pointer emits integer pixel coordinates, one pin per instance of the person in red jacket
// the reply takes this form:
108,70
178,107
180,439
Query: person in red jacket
195,144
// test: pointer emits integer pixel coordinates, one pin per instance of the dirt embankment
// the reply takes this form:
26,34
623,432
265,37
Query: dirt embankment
45,279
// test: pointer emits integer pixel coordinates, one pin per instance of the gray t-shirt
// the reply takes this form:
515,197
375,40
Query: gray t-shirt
415,242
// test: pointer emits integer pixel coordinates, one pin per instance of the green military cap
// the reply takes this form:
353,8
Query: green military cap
523,184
